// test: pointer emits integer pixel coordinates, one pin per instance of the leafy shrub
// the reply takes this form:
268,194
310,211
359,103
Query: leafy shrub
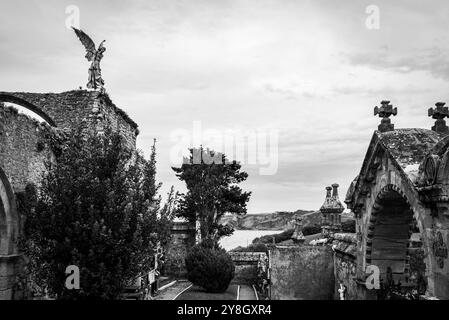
311,229
210,267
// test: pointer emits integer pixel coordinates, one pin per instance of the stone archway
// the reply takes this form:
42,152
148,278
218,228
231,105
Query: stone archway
393,241
9,230
23,103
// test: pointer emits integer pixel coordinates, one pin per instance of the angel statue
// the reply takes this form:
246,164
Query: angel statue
95,56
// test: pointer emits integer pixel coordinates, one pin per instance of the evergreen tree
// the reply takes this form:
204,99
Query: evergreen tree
97,208
212,184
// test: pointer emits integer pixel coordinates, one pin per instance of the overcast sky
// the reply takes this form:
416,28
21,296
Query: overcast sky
310,69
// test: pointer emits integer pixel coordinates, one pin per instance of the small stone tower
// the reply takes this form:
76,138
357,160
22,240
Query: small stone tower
331,211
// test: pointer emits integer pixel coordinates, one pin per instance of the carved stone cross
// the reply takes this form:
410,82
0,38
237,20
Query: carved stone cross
385,111
439,113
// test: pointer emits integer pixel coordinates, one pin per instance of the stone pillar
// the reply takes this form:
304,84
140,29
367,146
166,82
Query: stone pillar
8,275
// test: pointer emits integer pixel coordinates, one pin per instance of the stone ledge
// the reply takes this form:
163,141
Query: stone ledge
247,256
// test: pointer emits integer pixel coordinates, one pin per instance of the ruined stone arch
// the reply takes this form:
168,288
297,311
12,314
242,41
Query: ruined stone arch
9,231
28,105
9,218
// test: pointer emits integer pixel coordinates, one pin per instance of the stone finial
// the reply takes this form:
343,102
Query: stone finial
439,113
328,192
335,190
385,111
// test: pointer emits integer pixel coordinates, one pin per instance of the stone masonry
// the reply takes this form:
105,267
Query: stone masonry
26,148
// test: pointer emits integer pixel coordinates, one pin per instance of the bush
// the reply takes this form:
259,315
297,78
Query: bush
311,229
210,267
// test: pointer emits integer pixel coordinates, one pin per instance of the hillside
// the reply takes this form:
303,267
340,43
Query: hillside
268,221
275,221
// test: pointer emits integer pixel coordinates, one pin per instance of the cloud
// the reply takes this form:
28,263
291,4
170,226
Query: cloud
310,69
433,60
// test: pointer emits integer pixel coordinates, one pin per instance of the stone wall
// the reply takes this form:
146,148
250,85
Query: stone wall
301,272
247,266
182,238
117,119
23,151
344,246
406,169
23,156
72,108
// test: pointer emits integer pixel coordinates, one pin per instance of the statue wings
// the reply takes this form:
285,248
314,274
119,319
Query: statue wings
87,43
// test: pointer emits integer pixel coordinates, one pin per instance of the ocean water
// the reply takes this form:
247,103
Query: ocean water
244,238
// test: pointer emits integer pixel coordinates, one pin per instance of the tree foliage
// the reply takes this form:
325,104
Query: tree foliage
97,209
212,184
210,266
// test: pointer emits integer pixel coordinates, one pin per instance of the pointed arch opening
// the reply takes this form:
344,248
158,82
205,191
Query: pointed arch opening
394,245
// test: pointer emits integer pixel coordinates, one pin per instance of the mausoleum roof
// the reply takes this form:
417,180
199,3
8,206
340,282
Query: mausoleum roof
409,147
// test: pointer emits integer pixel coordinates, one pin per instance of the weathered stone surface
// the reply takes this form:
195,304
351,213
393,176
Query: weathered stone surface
344,243
182,238
69,109
247,257
439,113
331,211
408,147
396,188
385,111
301,272
26,147
22,149
344,246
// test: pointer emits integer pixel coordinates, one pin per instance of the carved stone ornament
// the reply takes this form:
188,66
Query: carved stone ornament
431,169
439,249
